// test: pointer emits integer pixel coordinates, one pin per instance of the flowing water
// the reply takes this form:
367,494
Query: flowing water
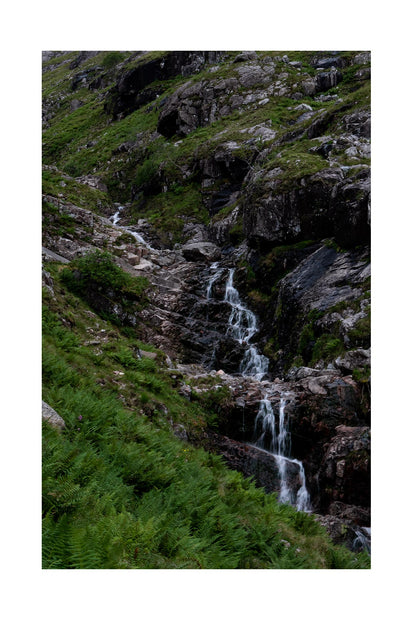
116,218
278,445
362,540
217,273
242,326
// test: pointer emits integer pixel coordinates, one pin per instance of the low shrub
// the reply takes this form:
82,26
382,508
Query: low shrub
98,269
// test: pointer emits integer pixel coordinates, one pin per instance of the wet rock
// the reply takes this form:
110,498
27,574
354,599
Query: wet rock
323,279
324,204
251,462
327,80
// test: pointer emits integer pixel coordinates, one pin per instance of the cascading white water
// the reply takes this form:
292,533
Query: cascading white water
242,327
279,447
116,218
217,272
362,540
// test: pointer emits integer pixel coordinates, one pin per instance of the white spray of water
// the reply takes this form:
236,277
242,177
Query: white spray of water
217,272
116,218
362,540
242,326
279,448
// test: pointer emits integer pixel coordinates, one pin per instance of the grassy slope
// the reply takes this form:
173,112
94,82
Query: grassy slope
120,491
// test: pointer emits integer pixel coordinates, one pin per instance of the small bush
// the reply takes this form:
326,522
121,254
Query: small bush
100,270
125,238
327,348
112,59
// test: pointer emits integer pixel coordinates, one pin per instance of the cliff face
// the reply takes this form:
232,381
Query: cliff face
257,161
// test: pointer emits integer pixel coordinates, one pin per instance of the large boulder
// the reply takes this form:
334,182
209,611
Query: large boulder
201,251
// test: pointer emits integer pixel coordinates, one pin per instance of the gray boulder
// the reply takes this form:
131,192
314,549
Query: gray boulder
49,415
201,251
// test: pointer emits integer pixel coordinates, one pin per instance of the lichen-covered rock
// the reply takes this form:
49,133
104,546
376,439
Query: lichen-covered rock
52,417
355,359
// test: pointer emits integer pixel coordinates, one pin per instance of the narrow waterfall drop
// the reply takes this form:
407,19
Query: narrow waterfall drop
279,447
243,326
217,272
116,217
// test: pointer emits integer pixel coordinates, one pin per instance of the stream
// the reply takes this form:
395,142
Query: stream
242,327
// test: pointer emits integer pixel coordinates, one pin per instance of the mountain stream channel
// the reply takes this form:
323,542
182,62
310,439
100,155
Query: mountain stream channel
271,426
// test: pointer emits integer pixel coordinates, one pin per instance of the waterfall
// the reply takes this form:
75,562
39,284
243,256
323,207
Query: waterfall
362,540
279,448
116,218
217,272
242,326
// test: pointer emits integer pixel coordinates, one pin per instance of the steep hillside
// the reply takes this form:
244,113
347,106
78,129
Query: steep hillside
206,231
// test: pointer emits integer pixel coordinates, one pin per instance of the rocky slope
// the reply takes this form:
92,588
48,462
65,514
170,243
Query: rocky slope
250,160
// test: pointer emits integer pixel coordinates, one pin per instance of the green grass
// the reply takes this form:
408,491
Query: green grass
55,222
55,183
168,211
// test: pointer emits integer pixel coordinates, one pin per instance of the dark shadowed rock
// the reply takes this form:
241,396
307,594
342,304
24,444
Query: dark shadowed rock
324,204
345,469
328,79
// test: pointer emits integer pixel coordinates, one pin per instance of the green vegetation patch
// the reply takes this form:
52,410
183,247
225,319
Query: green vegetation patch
56,222
327,347
168,211
96,275
55,183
